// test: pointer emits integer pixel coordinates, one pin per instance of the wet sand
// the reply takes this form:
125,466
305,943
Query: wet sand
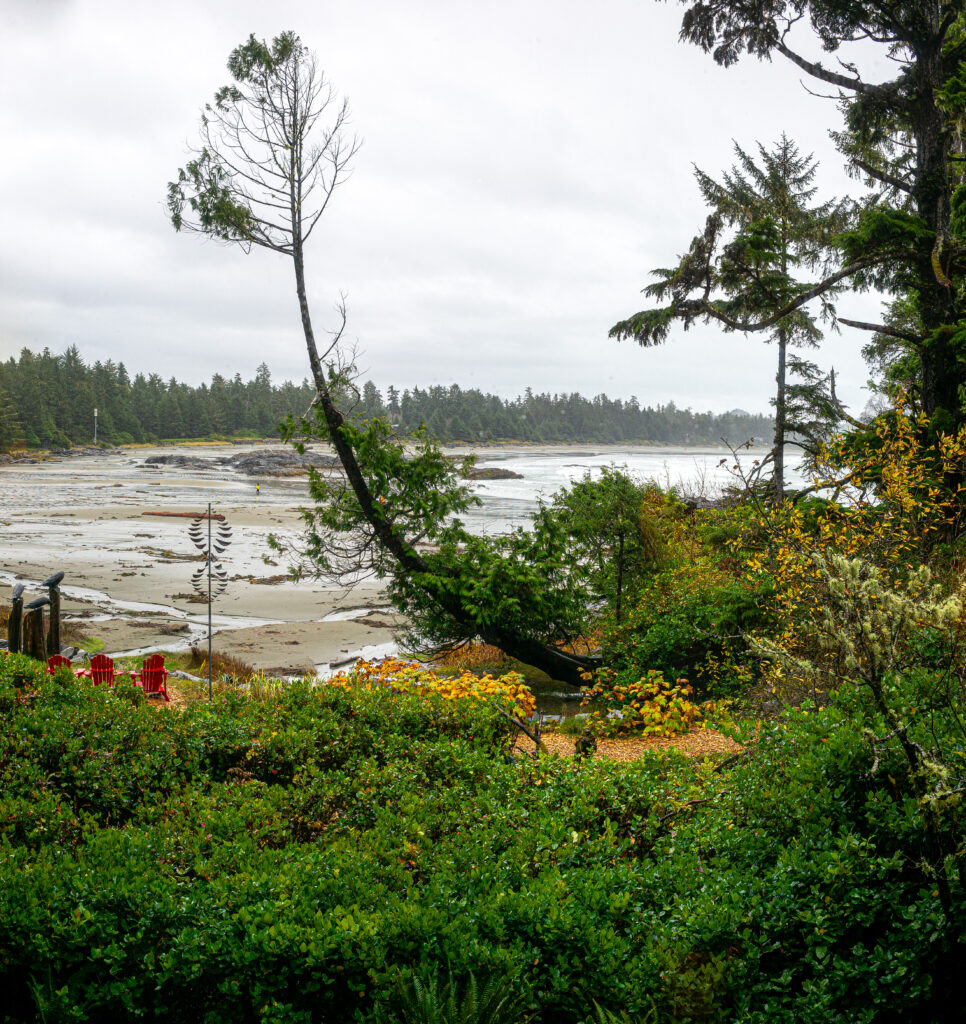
128,575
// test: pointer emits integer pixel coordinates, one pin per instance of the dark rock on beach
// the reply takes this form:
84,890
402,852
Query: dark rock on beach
266,462
178,461
68,453
278,462
693,504
492,474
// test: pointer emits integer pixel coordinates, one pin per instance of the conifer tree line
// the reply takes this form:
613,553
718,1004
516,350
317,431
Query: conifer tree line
48,400
454,415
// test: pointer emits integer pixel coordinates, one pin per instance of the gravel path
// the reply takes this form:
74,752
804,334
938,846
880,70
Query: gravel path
697,743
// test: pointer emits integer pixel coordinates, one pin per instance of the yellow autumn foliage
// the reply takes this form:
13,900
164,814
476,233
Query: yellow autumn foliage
508,690
651,706
894,502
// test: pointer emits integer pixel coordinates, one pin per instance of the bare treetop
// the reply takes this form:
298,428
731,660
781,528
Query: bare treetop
274,148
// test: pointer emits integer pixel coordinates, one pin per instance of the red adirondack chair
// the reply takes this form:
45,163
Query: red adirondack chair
56,661
102,670
154,675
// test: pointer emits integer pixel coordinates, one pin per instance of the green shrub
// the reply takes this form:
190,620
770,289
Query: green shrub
300,857
689,623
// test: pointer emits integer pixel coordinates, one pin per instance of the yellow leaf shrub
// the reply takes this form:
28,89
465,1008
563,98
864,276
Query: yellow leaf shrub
652,706
508,690
895,501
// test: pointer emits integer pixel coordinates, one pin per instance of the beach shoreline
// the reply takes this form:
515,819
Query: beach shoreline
128,576
116,521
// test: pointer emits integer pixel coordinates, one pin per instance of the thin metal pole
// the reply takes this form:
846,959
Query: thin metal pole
209,600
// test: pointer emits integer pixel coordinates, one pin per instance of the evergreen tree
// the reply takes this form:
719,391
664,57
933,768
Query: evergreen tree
147,408
169,414
392,400
903,137
218,409
128,425
370,403
750,276
262,419
11,430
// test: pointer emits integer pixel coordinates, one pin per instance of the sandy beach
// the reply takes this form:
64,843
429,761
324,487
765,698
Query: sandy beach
128,568
113,520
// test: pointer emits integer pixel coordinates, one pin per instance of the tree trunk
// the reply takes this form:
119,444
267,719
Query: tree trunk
557,664
778,452
620,573
942,372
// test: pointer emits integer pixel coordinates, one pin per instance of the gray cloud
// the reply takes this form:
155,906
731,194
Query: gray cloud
524,167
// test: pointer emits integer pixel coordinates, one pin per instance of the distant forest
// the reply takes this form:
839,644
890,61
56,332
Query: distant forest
48,401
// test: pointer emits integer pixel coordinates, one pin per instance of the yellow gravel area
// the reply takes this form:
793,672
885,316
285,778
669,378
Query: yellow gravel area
696,743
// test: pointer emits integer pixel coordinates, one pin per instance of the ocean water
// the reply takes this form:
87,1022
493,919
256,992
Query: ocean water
121,478
692,471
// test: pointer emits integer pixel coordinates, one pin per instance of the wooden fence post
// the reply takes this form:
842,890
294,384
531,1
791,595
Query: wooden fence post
34,641
14,623
52,583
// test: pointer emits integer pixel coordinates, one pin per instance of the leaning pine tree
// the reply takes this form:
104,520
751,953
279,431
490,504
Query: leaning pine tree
274,149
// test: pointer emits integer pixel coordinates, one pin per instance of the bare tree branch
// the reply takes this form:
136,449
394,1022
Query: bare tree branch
886,179
839,408
832,77
890,332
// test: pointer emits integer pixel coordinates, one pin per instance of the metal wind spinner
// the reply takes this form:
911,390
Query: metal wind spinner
211,576
211,579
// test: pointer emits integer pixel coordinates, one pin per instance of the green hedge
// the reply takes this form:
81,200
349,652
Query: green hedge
682,621
296,859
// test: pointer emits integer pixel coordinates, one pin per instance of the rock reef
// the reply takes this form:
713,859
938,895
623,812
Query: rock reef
266,462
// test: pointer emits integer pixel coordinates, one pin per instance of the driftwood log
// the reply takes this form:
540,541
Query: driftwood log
186,515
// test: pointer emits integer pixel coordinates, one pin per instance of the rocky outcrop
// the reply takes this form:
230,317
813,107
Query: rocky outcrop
262,462
491,474
278,462
68,453
178,461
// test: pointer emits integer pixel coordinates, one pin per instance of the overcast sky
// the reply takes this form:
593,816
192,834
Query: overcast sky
524,165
